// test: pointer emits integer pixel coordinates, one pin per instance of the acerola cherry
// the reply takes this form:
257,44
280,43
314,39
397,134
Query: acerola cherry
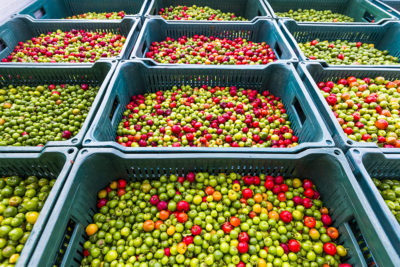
294,245
243,237
286,216
247,193
182,206
196,230
326,219
243,247
154,200
227,228
330,248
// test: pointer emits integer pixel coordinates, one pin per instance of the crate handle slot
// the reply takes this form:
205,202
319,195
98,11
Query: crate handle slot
3,45
144,48
259,13
67,236
114,107
38,14
369,17
361,243
278,50
299,110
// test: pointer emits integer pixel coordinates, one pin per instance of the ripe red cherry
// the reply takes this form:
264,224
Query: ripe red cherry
243,237
297,200
294,245
154,200
309,193
162,205
243,247
247,193
286,216
121,183
330,249
101,202
182,206
307,184
307,203
188,240
227,227
326,219
196,230
269,185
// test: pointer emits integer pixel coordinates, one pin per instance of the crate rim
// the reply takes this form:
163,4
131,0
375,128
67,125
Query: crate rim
338,154
263,4
302,58
37,230
327,142
32,2
355,157
126,49
205,23
77,140
391,16
327,114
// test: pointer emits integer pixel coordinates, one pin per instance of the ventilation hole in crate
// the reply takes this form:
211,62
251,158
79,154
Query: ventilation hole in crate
64,243
2,45
369,17
362,243
39,13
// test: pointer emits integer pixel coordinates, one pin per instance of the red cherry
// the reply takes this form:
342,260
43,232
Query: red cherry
243,237
247,193
243,247
196,230
285,216
330,249
294,245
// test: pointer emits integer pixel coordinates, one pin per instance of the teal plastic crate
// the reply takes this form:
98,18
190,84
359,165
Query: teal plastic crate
373,163
59,9
362,11
50,163
312,73
23,27
262,30
98,73
385,36
249,9
327,168
134,77
390,6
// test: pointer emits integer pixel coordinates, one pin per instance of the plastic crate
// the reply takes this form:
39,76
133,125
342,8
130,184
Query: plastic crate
385,36
390,6
373,163
249,9
158,29
59,9
134,77
99,74
50,163
327,168
312,73
23,27
362,11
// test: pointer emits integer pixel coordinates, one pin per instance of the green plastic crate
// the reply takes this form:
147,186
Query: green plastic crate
327,168
50,163
23,27
134,77
385,36
312,73
98,73
262,30
59,9
373,163
390,6
362,11
249,9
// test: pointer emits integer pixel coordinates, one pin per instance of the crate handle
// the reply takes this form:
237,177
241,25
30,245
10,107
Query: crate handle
65,243
114,107
144,48
299,110
278,50
3,45
39,13
369,17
